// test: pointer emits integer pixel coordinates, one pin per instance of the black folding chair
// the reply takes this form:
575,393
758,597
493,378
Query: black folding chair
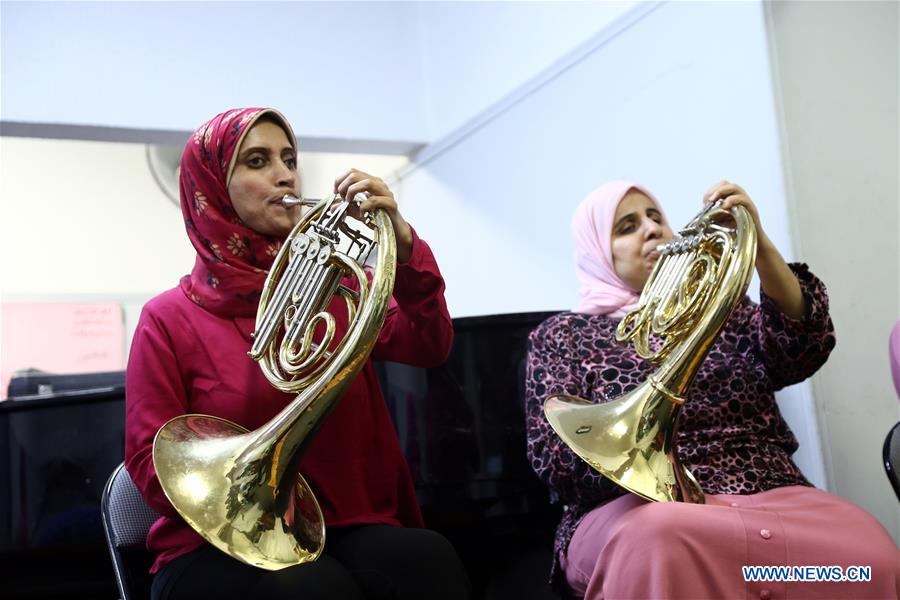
126,521
891,455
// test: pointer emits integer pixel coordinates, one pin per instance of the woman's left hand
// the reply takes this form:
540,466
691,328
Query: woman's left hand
775,276
353,182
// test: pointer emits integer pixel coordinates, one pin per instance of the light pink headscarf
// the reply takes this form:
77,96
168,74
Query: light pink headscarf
602,292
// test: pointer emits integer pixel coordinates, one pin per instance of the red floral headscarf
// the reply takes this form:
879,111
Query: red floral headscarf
232,259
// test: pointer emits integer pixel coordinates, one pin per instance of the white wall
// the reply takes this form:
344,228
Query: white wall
472,54
837,66
337,69
408,71
92,220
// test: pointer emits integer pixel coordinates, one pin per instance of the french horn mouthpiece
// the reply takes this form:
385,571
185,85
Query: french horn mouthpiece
289,200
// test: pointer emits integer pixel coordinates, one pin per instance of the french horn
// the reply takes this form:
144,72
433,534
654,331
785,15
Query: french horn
699,279
240,489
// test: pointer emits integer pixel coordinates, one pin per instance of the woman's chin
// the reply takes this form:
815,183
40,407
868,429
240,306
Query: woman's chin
284,232
281,227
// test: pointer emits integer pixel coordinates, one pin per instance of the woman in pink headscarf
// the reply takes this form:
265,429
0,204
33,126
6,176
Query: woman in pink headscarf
189,355
760,510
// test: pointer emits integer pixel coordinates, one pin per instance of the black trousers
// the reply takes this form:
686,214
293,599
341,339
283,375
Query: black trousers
369,562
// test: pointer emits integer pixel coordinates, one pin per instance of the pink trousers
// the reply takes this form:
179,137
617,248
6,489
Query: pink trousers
631,548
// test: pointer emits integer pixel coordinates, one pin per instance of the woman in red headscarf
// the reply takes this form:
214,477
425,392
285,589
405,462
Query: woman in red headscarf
189,355
760,510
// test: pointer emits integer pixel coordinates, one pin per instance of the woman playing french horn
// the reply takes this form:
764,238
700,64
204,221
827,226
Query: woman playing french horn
759,508
189,355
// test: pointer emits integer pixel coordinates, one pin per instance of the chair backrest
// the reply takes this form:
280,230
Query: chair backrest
126,521
891,454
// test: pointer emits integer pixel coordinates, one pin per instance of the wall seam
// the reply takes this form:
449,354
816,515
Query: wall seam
536,83
795,230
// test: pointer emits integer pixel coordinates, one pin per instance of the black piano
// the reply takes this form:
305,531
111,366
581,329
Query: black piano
61,436
461,426
462,429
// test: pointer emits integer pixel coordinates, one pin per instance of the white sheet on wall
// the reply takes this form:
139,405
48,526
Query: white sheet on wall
61,337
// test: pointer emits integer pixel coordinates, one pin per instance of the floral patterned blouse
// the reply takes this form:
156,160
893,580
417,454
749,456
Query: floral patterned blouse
731,434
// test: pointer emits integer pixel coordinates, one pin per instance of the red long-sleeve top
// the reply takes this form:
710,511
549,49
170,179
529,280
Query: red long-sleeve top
185,359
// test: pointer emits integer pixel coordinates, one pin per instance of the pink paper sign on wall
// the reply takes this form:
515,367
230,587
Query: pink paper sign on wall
60,338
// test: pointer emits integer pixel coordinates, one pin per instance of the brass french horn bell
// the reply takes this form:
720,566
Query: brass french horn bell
240,489
700,278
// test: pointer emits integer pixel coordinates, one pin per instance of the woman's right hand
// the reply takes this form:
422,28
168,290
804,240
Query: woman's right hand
775,276
378,195
732,195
